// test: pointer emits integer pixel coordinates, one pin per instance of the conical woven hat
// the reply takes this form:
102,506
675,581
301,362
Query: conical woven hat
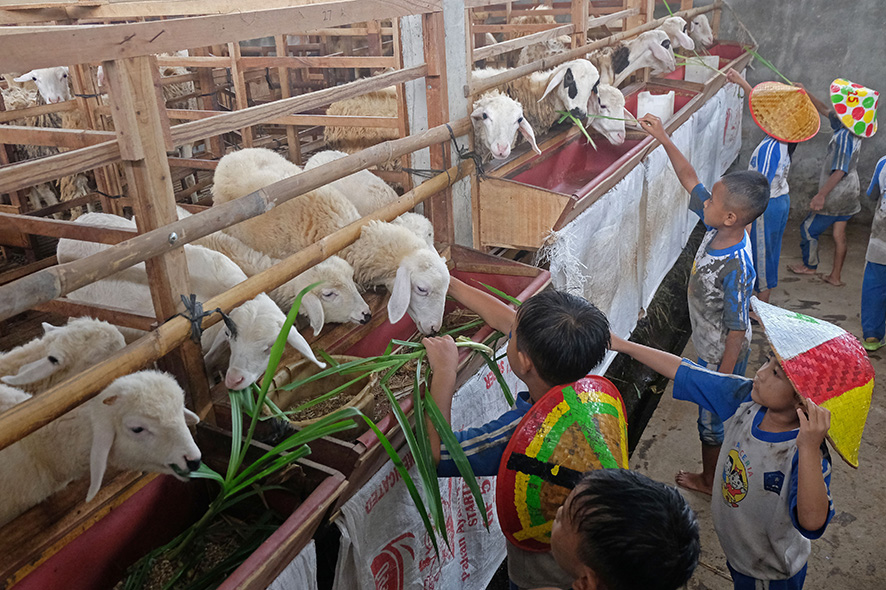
784,112
856,106
826,364
573,428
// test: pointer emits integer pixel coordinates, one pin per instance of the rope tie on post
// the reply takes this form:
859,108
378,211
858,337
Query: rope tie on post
194,313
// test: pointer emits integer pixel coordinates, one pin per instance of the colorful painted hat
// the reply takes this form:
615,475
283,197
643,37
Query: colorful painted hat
826,364
856,106
573,428
784,112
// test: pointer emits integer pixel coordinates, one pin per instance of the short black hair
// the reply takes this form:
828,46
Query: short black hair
748,194
565,336
636,532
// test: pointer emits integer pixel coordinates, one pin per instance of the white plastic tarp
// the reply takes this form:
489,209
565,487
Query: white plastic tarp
301,572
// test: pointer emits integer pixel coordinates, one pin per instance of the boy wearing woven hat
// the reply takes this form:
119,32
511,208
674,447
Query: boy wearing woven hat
873,286
720,285
774,468
853,118
787,116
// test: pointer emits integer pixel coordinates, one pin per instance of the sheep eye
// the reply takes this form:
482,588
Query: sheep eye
34,78
666,43
64,75
137,429
485,116
329,295
520,120
227,333
421,290
53,360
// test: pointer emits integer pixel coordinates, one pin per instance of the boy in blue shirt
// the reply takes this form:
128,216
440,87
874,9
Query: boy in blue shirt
873,286
555,338
721,283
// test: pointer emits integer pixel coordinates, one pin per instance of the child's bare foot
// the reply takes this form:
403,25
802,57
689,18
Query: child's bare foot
694,481
801,269
832,281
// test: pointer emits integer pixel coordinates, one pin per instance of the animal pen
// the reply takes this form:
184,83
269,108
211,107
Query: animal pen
262,77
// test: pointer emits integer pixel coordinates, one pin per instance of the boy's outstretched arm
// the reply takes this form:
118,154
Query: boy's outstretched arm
494,312
443,359
823,109
813,505
735,78
685,172
659,361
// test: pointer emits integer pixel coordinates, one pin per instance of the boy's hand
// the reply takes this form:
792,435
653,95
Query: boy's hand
653,126
615,342
733,76
817,202
813,428
442,353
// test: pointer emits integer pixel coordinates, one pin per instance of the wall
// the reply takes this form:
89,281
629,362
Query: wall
813,42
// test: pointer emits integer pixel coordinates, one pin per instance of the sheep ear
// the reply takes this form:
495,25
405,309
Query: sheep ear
527,132
313,309
31,373
662,54
556,78
191,419
477,114
400,294
47,328
685,40
298,342
102,441
24,77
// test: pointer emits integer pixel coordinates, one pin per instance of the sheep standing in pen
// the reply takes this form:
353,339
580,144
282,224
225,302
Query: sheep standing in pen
416,276
609,103
700,31
62,351
139,423
366,191
379,103
651,49
419,225
677,31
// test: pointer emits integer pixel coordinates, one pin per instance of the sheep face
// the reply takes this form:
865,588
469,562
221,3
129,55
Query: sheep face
574,81
258,321
677,31
496,119
140,423
700,31
68,350
609,102
336,299
661,50
419,225
51,82
419,289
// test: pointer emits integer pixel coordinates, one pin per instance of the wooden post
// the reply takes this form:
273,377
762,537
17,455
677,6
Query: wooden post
715,22
439,208
143,134
285,92
240,90
685,4
639,18
209,102
580,21
403,118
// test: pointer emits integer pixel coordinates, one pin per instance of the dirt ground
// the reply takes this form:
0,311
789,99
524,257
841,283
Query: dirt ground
850,554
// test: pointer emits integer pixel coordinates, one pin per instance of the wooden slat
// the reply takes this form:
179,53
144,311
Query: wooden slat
300,120
66,138
344,61
94,43
285,76
17,273
113,315
57,228
68,105
520,42
193,163
516,231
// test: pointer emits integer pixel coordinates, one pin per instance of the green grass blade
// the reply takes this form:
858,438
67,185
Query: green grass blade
767,63
502,294
206,472
236,435
670,12
493,366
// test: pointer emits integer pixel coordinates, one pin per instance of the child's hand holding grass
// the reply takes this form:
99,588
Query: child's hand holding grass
442,354
653,126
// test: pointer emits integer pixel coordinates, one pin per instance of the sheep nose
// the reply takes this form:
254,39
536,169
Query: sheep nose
193,464
578,113
234,380
366,317
502,150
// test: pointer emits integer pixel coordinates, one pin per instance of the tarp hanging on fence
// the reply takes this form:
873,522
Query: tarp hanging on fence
384,545
301,572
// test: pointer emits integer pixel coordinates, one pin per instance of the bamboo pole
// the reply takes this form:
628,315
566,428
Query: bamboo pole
25,418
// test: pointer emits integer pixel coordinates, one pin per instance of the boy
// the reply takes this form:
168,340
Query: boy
772,159
873,286
555,338
620,529
853,118
720,285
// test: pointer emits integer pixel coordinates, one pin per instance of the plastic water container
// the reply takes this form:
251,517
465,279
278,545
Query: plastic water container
660,105
701,68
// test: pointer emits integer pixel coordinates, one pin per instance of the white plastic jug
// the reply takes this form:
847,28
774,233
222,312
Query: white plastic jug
660,105
701,68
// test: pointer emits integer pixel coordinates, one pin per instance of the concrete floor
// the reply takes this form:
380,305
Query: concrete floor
851,552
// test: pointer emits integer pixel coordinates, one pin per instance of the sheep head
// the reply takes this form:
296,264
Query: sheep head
52,83
68,350
609,102
336,299
139,422
258,321
419,225
651,49
574,82
419,288
677,31
496,119
700,31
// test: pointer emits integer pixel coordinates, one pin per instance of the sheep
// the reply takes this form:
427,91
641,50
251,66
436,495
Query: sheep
379,103
52,83
700,31
496,119
416,276
609,103
139,422
61,352
650,49
676,29
419,225
366,191
564,88
293,225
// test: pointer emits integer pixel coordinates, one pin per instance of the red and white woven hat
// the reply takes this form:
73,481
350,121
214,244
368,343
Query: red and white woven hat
826,364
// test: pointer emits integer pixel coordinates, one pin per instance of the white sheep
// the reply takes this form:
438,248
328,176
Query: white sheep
677,31
378,103
609,103
567,87
139,423
52,83
496,119
700,31
416,276
418,224
366,191
651,49
61,352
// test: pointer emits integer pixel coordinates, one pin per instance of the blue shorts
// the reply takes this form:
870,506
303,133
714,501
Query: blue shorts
766,233
710,427
743,582
812,227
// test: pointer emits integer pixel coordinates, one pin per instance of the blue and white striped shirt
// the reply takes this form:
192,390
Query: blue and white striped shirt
771,159
842,155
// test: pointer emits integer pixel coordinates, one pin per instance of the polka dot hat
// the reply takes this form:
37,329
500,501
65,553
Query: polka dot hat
856,106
